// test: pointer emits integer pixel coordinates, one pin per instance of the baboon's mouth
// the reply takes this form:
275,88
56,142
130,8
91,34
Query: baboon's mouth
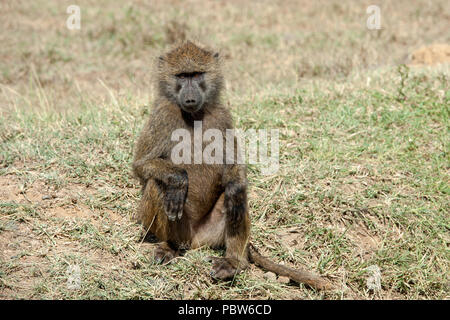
192,109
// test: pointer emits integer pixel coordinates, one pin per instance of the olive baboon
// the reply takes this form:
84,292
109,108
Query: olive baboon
193,205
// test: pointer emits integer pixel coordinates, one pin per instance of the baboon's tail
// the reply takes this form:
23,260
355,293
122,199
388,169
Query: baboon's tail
299,276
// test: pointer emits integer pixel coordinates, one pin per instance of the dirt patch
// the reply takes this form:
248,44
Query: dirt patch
40,237
367,243
29,259
292,238
64,203
430,55
9,190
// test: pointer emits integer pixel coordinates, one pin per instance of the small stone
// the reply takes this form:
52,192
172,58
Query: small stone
136,265
49,196
270,276
284,280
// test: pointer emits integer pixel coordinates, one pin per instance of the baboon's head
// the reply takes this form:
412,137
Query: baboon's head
190,76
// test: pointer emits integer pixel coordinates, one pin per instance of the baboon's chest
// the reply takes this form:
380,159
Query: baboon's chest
198,142
199,149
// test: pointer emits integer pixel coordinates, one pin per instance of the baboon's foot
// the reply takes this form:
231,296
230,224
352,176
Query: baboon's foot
163,253
224,268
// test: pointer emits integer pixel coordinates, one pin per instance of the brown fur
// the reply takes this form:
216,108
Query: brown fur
213,197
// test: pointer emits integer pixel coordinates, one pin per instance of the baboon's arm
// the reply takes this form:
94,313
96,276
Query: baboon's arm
159,169
152,148
234,181
172,182
149,163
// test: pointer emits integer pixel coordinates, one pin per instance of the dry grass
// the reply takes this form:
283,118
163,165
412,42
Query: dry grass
364,145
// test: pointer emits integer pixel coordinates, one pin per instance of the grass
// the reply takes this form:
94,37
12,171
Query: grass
364,148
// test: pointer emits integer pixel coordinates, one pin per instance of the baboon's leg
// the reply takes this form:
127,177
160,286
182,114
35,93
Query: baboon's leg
210,231
152,216
163,253
236,233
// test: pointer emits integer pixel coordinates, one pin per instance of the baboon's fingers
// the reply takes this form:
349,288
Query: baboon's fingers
179,203
171,216
174,203
180,213
171,213
169,209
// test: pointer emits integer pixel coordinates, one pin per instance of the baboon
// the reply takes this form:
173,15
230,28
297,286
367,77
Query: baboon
197,204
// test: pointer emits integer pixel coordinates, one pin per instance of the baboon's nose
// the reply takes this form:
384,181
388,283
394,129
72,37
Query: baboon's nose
190,102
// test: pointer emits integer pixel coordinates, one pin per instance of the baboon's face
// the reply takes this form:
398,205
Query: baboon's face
190,77
190,91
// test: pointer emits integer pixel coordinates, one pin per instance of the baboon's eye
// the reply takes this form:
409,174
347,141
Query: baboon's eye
193,75
197,75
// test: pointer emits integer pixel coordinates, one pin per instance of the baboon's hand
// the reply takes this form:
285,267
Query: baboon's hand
174,203
175,195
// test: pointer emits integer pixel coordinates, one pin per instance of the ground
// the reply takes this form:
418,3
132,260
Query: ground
364,146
